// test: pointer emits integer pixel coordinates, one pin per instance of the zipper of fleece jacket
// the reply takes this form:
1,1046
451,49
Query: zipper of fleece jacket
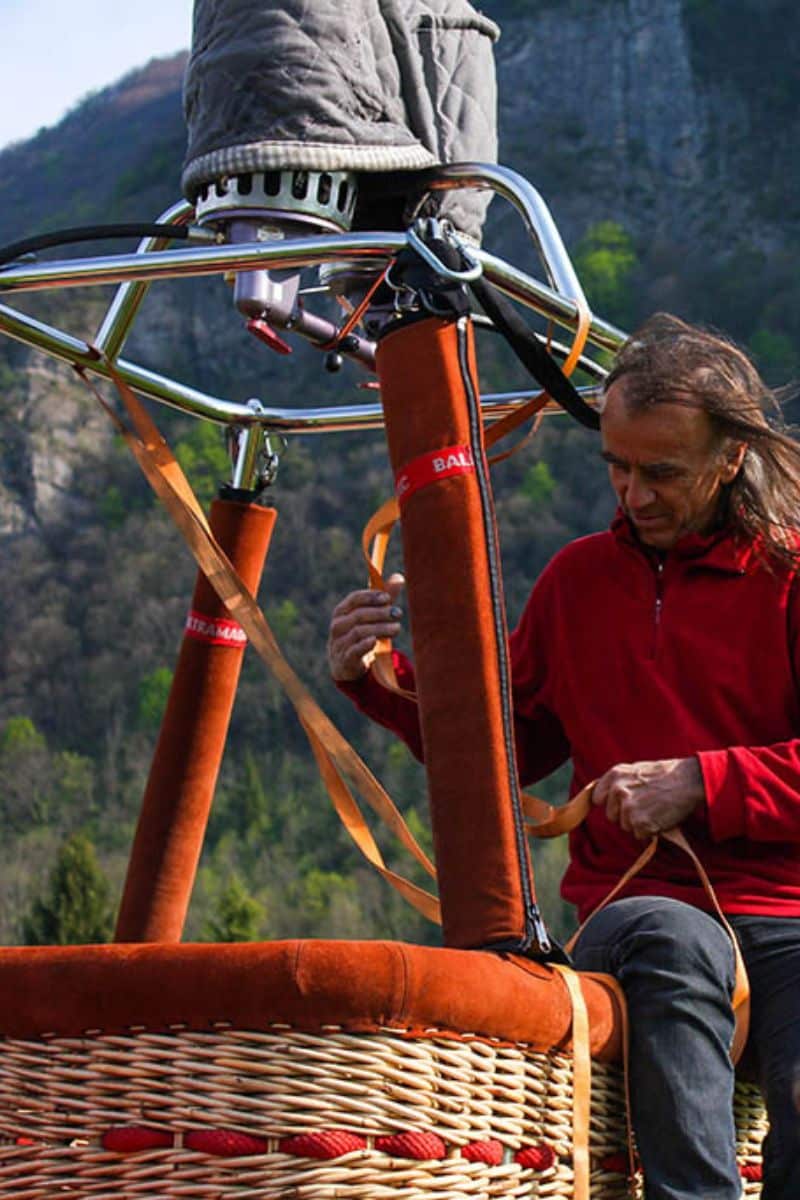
659,606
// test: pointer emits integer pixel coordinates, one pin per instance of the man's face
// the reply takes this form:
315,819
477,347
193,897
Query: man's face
665,466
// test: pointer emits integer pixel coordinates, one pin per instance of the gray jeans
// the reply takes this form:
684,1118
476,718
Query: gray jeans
676,967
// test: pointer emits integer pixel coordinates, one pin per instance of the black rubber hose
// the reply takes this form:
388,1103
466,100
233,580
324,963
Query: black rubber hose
88,233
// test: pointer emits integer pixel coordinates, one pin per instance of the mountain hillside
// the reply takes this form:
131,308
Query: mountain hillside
115,157
665,148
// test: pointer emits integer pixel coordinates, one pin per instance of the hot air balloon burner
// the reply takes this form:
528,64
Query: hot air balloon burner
270,206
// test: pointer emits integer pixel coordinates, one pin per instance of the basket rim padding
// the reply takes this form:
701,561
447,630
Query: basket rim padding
310,984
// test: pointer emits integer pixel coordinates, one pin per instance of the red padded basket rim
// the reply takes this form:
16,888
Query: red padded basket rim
310,985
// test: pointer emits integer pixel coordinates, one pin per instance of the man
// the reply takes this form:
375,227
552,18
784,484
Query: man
663,657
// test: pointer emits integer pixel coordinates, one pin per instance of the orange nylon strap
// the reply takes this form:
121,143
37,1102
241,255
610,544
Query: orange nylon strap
494,459
581,1081
374,542
740,1000
335,756
547,821
551,822
741,988
581,334
357,313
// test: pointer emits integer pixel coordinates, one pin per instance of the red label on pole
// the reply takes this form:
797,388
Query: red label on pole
429,468
216,631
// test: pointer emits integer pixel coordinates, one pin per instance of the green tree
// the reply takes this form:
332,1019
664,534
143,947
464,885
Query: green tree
775,354
113,508
605,259
420,831
238,915
26,775
20,733
204,459
75,907
39,786
253,800
538,484
283,618
153,695
327,904
73,784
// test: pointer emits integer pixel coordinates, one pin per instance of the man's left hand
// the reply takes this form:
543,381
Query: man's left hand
645,798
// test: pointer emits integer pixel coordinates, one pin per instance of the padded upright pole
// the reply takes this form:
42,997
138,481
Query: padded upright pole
431,405
183,775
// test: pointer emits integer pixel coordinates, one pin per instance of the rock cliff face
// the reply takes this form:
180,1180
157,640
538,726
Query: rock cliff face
625,106
677,117
635,111
601,105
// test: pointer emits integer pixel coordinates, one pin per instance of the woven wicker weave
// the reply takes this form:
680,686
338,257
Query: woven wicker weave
65,1099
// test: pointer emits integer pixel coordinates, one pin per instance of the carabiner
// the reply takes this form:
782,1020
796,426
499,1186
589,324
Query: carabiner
472,271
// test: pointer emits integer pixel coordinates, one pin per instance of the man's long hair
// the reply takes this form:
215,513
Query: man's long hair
669,361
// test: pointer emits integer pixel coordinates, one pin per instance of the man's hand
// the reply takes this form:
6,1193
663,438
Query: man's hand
645,798
358,622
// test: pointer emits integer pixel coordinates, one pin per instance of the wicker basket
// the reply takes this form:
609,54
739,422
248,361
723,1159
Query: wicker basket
242,1114
225,1111
357,1117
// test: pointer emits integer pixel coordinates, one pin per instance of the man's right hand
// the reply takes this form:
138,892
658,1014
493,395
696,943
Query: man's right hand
358,622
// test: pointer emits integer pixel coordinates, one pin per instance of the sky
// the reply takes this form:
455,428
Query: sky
54,52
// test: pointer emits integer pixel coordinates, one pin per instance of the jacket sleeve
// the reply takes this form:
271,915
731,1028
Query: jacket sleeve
540,740
396,713
753,792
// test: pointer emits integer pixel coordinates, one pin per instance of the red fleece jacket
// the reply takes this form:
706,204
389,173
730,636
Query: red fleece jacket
620,657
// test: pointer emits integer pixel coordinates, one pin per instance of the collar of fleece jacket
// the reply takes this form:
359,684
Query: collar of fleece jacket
720,550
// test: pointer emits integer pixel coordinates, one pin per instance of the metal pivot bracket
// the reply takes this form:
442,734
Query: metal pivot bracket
255,454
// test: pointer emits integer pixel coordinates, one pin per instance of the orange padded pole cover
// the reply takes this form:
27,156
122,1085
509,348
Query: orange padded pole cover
183,775
431,406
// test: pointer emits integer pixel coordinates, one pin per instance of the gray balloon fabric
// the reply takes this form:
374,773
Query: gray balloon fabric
368,86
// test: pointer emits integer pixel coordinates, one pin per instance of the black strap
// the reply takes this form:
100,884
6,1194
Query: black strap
442,297
532,354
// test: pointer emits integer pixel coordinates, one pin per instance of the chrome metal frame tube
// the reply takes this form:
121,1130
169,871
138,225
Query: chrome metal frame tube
214,260
152,261
507,183
528,203
245,468
297,252
341,419
111,335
